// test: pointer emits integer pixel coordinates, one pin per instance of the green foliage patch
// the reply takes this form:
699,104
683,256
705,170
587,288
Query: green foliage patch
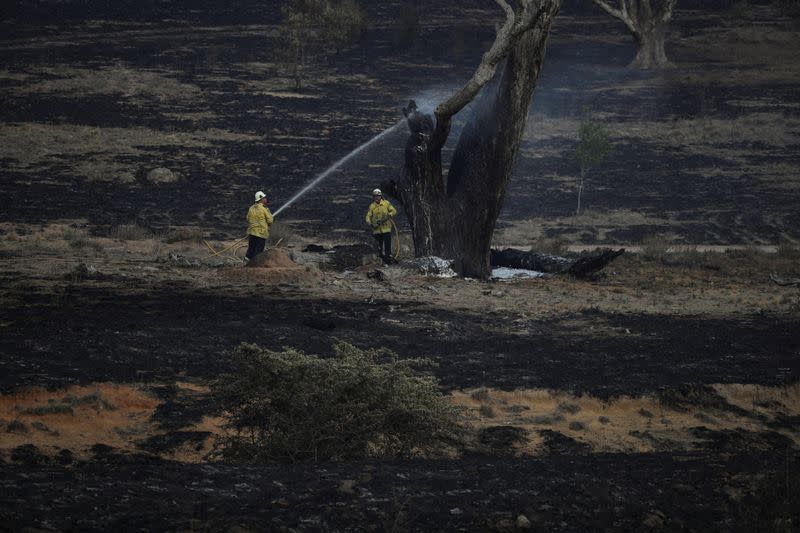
292,406
593,148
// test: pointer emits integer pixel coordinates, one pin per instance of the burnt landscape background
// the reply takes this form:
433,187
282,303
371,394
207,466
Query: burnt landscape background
96,95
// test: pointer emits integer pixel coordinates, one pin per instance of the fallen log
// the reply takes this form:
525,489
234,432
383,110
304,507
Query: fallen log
784,282
582,266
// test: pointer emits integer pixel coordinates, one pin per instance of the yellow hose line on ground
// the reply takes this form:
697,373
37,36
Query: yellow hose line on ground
236,250
214,252
395,253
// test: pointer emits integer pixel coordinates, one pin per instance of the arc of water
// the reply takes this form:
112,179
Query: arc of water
310,185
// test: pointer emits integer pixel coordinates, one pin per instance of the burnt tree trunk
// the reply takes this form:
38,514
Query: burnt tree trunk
454,218
647,20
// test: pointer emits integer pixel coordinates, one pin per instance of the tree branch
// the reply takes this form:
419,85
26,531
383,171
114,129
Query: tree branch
622,13
507,35
648,9
669,5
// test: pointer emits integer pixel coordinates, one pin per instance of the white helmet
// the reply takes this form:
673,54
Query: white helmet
377,192
260,195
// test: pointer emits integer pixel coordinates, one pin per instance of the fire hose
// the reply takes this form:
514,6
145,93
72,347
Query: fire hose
396,245
214,253
219,252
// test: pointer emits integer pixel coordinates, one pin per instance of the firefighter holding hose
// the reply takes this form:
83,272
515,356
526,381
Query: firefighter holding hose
379,217
259,219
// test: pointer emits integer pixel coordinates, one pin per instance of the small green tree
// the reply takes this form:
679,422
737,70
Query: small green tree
316,28
593,148
291,406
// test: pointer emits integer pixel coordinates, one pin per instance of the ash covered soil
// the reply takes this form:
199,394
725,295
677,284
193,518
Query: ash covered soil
661,395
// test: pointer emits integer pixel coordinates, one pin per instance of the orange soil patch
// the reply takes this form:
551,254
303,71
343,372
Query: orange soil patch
626,425
121,416
273,258
79,417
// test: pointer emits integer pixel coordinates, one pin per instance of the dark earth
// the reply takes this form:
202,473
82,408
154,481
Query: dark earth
705,153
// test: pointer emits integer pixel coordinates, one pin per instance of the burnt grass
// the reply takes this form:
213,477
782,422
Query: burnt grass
155,334
561,492
173,333
100,335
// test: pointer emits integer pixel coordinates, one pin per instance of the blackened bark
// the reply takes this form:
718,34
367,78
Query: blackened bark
455,218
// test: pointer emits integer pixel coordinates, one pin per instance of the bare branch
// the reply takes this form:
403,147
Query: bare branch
669,5
622,13
616,13
507,36
647,8
485,70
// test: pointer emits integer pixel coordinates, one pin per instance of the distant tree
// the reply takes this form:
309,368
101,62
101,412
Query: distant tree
345,24
593,148
647,21
318,26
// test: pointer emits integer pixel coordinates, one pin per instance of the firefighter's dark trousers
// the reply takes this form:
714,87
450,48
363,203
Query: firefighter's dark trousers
384,242
255,246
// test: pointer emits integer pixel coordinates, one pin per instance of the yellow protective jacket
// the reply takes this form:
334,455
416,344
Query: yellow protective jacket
378,216
259,219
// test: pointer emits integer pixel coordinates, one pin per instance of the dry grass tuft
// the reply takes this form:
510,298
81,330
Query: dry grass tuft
181,235
114,80
787,250
130,232
654,247
281,233
481,395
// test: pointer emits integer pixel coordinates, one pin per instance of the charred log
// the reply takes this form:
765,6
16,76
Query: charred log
580,267
784,282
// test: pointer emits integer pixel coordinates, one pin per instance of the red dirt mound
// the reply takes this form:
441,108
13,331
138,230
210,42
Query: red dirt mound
274,266
273,258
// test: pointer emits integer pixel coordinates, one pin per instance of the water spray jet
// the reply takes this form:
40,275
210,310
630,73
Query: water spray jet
310,185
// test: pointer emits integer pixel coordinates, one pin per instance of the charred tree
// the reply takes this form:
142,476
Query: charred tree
647,21
580,267
454,218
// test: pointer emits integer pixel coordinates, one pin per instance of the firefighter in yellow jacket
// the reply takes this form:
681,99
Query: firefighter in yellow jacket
379,217
259,219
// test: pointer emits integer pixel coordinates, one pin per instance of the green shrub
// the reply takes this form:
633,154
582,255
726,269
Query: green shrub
593,148
291,406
